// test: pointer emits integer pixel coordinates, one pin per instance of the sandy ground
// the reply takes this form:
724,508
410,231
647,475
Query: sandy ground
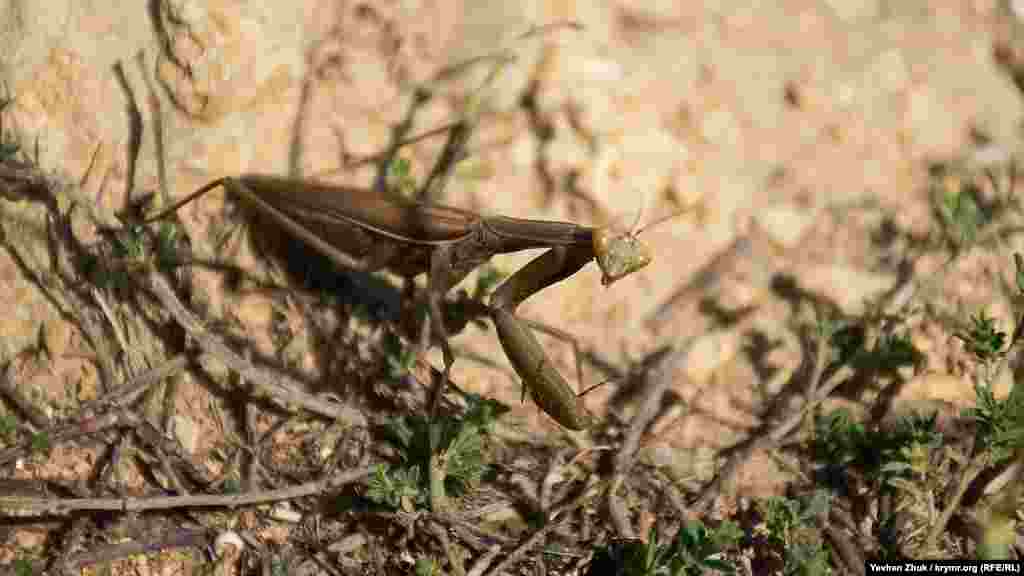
803,137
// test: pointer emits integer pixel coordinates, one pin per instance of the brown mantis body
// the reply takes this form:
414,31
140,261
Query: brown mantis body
361,229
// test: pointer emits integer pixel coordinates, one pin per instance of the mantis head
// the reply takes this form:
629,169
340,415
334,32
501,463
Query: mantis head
620,254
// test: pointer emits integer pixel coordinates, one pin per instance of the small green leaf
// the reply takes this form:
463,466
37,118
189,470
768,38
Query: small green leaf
22,567
39,442
8,426
961,213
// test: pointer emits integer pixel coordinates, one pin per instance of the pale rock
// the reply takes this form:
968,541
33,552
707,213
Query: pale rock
228,539
592,86
254,309
223,55
488,26
847,286
523,153
186,432
719,126
697,464
1017,7
348,544
709,352
850,11
56,336
568,151
785,224
845,95
88,383
602,71
26,540
626,175
283,512
997,484
684,188
990,155
20,328
942,386
890,71
932,129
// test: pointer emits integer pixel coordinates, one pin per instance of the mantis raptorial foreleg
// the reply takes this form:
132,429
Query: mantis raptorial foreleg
562,335
547,386
618,255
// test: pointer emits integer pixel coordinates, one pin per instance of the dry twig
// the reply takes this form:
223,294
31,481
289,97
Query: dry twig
774,434
20,506
278,386
589,492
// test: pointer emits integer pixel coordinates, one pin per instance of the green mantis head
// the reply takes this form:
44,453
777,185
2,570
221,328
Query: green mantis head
619,255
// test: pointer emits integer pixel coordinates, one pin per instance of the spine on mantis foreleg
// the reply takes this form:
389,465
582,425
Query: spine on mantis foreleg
547,387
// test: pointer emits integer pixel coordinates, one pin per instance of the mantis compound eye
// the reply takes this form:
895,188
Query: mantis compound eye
620,255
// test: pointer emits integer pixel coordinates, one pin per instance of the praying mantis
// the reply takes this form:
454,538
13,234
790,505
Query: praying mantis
369,230
364,230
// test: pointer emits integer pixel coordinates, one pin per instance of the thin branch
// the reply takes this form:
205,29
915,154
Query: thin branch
59,434
9,388
439,532
287,391
183,538
550,525
484,561
660,381
30,506
126,395
774,434
665,368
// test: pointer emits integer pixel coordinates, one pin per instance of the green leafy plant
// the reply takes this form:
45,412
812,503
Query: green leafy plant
454,448
278,566
790,530
232,484
846,338
8,426
129,246
893,351
39,443
696,549
1000,423
399,357
960,215
395,488
487,280
8,147
400,176
166,239
841,442
849,342
983,339
22,567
